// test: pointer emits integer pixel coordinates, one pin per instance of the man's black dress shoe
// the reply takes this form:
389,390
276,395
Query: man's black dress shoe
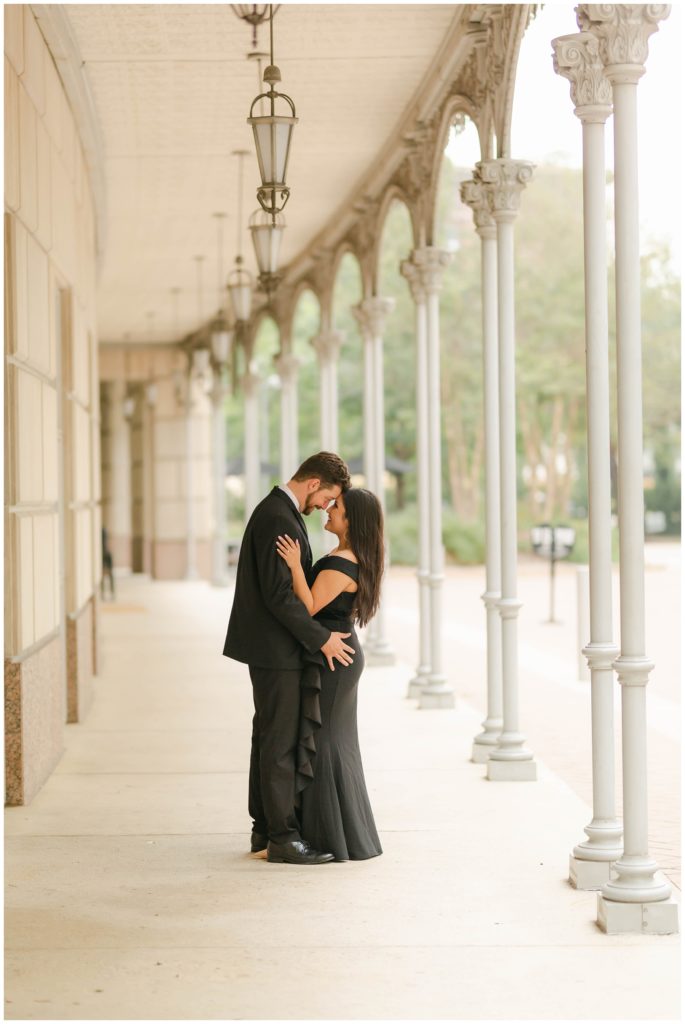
258,843
296,852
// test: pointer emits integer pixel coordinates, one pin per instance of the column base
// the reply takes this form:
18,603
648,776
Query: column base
379,656
481,750
416,687
588,874
511,771
431,698
615,918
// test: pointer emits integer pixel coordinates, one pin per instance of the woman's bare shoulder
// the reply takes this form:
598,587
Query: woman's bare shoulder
349,555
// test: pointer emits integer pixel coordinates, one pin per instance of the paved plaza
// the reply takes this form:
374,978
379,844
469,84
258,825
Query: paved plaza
130,893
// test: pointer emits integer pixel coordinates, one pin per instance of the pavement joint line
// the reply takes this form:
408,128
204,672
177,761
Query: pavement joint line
413,945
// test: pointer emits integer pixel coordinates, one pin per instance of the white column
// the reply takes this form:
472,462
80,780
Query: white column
219,552
431,263
327,345
119,520
287,365
191,544
472,193
251,385
504,181
371,314
637,899
416,285
576,57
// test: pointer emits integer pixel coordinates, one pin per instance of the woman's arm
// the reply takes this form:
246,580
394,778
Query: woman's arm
327,585
289,550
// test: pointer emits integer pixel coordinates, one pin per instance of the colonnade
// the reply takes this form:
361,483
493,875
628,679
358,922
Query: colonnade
604,63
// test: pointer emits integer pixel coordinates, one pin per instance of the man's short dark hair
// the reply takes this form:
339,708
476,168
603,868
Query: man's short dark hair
327,467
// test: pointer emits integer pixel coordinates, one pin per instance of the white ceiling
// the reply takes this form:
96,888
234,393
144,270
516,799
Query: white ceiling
172,89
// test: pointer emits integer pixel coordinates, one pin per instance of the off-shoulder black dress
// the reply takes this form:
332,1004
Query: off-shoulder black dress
335,813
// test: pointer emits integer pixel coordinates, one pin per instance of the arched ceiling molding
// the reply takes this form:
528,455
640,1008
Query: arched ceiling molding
393,193
506,24
253,328
346,248
61,42
526,14
474,73
444,69
305,285
455,107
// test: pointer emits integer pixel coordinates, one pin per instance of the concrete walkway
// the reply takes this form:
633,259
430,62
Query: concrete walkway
130,894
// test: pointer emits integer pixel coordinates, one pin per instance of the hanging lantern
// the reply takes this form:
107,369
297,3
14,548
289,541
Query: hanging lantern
220,339
200,361
240,289
272,136
267,235
254,15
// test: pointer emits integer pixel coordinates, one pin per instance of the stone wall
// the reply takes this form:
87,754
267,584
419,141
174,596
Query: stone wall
147,468
52,459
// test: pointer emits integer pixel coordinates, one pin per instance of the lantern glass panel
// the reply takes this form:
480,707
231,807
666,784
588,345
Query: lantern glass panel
241,297
272,139
221,345
267,244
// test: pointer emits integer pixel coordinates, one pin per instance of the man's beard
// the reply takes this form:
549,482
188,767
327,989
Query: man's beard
308,505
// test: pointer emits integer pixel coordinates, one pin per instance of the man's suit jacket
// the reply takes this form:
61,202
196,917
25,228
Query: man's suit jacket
269,627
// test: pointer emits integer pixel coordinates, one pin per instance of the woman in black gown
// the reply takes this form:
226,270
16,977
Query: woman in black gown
335,811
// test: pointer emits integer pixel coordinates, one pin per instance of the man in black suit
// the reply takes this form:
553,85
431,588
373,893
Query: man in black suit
271,631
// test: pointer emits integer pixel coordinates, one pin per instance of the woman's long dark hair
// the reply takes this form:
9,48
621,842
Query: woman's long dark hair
365,537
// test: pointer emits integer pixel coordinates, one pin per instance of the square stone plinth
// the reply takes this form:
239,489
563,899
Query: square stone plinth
511,771
377,658
588,874
644,918
480,753
428,701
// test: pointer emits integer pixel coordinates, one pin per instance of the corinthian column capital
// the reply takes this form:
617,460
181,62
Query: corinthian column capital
327,345
431,263
414,278
623,32
473,195
251,382
577,58
287,364
504,180
371,315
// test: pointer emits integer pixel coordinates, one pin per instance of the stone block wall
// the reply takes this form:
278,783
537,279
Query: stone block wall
52,459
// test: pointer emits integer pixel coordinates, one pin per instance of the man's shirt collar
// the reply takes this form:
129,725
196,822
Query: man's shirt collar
284,487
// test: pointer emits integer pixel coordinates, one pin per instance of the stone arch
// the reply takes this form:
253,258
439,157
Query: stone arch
252,340
393,194
521,16
342,250
455,106
305,284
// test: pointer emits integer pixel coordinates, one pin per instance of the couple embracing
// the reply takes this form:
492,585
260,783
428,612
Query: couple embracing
293,624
